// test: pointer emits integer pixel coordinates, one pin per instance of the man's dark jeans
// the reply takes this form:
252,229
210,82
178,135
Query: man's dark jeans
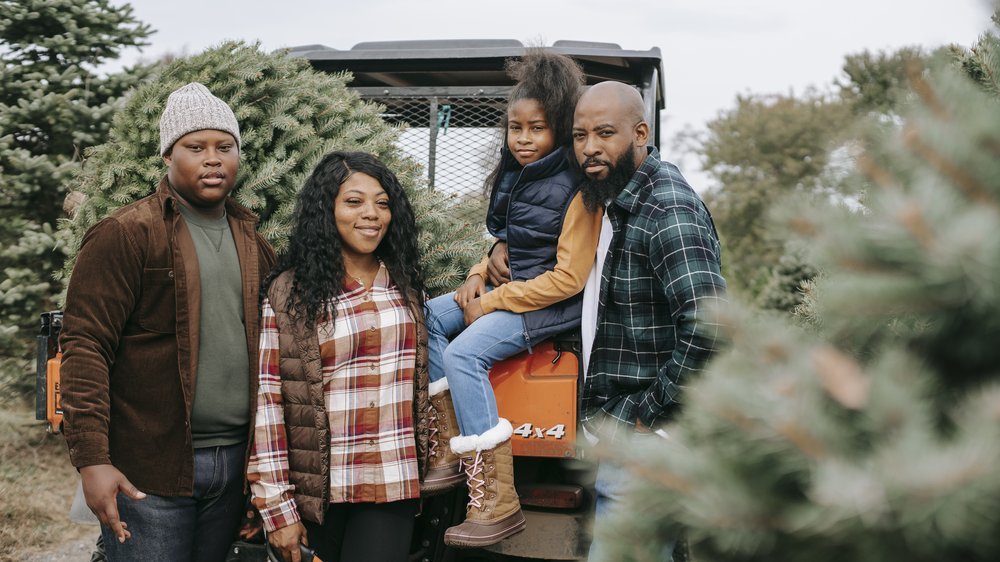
198,528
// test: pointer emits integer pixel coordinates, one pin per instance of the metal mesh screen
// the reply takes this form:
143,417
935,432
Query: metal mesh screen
455,136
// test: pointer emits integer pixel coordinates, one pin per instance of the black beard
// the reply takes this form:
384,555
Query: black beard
598,192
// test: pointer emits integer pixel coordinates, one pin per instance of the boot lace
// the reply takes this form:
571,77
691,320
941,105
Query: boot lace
432,433
474,473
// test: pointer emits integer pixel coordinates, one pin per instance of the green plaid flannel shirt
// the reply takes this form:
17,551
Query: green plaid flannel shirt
661,274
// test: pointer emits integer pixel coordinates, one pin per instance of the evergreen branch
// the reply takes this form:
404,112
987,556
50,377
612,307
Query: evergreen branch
914,71
985,52
876,173
964,181
803,226
991,144
660,475
911,218
806,443
841,377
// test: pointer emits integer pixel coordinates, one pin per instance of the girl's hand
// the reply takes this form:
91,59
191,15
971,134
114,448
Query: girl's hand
473,287
473,312
286,540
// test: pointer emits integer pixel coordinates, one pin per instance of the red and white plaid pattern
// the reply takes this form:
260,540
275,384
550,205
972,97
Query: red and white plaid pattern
368,357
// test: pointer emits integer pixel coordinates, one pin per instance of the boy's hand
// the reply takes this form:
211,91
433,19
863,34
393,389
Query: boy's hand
498,268
473,311
101,484
473,287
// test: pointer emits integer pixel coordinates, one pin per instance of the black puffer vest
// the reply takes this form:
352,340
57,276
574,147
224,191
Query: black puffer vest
527,209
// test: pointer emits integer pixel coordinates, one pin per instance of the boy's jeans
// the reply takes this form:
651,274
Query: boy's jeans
466,360
197,528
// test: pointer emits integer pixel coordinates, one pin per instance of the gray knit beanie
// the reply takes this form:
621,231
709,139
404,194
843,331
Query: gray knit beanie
193,108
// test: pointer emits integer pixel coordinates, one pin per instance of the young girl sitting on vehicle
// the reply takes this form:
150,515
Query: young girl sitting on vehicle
538,217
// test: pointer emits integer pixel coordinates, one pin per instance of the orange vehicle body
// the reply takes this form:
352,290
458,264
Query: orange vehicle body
537,393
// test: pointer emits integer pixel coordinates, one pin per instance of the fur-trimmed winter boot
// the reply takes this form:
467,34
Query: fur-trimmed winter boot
444,470
494,512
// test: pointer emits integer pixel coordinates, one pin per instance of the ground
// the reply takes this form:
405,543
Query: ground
75,550
37,484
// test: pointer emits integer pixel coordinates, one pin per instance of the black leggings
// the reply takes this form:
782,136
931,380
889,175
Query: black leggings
364,532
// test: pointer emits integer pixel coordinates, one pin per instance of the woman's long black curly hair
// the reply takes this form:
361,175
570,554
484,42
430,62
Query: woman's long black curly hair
315,249
556,82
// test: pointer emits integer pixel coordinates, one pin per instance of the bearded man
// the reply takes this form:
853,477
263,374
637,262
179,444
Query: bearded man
646,323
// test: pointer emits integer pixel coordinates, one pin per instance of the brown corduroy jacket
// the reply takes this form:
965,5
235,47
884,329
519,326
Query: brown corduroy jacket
130,340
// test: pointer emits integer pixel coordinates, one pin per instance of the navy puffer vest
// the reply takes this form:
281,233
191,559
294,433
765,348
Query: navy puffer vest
527,209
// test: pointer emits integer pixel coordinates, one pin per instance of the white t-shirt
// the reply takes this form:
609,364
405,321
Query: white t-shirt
592,293
591,300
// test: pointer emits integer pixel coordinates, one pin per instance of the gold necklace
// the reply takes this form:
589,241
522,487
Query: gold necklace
372,273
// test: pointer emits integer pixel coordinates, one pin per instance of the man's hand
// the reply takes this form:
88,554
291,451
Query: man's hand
101,484
473,311
641,427
473,287
498,268
287,539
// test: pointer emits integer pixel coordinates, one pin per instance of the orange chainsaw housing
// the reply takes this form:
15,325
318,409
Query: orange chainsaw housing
53,404
537,393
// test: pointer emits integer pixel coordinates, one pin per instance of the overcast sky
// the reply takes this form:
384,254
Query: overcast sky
712,49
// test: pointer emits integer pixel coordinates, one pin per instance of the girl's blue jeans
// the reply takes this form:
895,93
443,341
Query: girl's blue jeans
465,354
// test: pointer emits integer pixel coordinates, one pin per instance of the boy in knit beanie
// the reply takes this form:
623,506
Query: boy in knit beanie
159,348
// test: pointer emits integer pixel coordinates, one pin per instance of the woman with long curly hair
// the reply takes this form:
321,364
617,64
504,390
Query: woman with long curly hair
340,438
538,217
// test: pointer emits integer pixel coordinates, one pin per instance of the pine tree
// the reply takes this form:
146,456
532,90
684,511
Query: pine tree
876,83
877,437
53,106
784,289
290,116
771,148
762,151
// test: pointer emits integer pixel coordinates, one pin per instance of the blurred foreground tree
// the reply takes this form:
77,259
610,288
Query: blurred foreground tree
53,105
879,439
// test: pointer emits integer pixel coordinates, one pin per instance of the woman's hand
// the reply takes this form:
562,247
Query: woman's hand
473,287
473,311
286,540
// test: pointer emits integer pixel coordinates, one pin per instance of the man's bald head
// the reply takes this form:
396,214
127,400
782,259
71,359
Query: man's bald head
621,99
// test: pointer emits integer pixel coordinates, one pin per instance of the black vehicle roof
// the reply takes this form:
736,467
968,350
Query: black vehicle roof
475,62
